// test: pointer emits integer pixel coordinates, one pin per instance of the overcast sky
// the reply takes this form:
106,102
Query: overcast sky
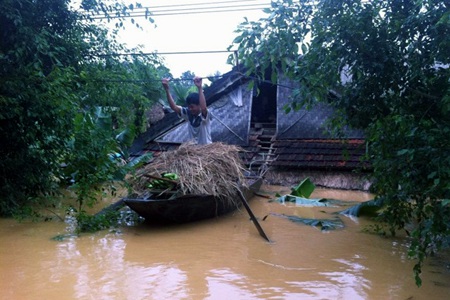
192,32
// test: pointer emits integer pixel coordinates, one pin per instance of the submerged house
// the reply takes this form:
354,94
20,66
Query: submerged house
289,146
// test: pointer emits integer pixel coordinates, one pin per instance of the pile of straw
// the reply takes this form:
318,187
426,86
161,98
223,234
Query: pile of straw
213,169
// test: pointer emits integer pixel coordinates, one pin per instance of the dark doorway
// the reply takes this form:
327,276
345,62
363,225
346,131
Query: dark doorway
264,104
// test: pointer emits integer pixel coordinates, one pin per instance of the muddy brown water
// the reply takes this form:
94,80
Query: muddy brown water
222,258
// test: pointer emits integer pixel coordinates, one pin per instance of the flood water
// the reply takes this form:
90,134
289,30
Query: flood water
223,258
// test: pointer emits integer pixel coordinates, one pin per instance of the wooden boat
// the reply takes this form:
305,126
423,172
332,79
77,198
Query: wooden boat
168,208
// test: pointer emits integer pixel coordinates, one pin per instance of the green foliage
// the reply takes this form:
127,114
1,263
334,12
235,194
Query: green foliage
301,201
322,224
55,71
109,218
94,223
389,63
180,93
367,208
186,79
125,88
89,162
300,195
303,189
182,86
113,11
35,112
376,228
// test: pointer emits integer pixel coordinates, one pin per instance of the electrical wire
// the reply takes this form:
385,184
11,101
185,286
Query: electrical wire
176,13
191,79
166,10
143,12
150,80
151,12
200,3
182,7
160,53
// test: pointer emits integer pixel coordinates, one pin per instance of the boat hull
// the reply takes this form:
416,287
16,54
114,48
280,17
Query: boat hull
188,208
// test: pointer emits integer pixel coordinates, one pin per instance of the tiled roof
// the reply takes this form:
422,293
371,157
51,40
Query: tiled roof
320,154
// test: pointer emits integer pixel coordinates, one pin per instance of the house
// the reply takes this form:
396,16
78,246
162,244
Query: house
294,145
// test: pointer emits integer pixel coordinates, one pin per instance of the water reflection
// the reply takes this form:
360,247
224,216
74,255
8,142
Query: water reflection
226,282
98,270
350,278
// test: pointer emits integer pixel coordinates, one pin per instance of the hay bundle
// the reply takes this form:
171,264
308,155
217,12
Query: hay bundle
215,169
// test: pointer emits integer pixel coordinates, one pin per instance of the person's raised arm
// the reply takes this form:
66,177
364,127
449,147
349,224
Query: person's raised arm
165,84
201,100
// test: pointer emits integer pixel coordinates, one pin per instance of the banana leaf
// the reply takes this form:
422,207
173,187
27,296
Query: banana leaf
140,160
322,224
131,165
304,189
300,201
367,208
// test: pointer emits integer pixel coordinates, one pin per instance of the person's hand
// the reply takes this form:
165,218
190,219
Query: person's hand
165,83
198,82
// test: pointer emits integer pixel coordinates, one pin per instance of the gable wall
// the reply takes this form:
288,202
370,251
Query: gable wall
230,119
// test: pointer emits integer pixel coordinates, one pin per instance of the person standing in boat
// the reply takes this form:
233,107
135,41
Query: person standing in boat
195,112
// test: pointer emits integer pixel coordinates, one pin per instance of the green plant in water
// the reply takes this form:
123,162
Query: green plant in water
367,208
94,223
304,189
97,164
89,164
299,195
322,224
377,228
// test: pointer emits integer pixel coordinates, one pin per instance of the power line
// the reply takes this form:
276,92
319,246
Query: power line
160,53
177,13
150,80
200,3
184,11
191,79
190,6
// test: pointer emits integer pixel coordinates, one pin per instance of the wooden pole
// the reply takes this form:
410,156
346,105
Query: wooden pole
252,216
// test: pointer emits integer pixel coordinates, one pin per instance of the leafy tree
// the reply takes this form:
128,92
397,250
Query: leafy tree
35,111
56,70
182,86
186,79
389,62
